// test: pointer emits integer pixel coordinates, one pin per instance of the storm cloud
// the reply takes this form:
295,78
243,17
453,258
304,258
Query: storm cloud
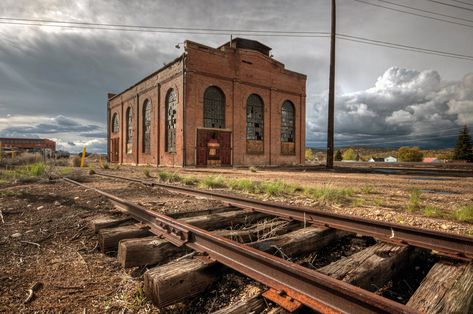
404,107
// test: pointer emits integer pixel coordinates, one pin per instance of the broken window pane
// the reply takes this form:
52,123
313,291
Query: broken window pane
287,122
254,118
171,118
129,132
214,108
146,126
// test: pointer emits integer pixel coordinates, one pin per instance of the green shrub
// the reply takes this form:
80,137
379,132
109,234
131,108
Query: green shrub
212,182
327,193
414,201
147,173
189,180
410,154
367,189
464,213
36,169
432,211
253,169
243,185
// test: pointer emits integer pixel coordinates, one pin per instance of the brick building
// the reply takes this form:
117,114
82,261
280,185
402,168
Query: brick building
27,144
231,105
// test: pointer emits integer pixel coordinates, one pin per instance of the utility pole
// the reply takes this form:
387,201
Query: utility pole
331,93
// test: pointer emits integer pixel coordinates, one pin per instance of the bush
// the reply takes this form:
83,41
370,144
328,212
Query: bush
464,213
76,161
309,154
414,201
253,169
327,193
147,173
409,154
338,156
350,154
243,185
190,180
212,182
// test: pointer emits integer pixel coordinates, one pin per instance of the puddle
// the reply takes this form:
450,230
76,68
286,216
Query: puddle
436,192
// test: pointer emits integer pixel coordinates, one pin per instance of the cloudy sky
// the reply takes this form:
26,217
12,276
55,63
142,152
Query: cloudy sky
54,80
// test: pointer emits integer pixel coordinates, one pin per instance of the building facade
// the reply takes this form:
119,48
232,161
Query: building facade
34,145
226,106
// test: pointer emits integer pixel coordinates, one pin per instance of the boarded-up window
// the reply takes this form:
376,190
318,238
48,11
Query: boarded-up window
214,108
146,127
129,130
115,123
171,117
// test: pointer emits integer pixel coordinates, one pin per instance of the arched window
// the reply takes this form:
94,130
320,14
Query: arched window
171,117
129,130
214,108
115,123
146,126
254,118
287,122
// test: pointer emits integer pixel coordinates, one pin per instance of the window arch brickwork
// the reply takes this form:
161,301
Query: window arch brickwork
115,123
214,108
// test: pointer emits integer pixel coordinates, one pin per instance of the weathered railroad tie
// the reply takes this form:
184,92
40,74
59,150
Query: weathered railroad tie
295,242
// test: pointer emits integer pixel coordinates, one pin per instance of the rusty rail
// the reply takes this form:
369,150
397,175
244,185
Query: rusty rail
311,288
448,244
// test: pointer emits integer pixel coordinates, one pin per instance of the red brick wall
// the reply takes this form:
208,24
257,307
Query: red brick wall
238,80
238,73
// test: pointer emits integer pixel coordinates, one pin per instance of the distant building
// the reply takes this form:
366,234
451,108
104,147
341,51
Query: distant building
34,145
430,159
390,159
230,105
376,159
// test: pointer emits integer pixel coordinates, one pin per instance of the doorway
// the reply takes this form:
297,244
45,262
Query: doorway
214,148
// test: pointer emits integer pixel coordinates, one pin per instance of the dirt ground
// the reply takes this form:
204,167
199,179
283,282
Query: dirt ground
45,239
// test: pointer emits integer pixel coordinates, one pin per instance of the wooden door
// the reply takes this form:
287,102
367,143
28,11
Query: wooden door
114,149
225,141
201,148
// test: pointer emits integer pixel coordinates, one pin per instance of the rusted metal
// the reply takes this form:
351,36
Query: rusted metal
311,288
448,244
286,302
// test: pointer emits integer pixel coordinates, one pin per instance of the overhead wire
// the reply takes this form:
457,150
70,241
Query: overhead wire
452,5
415,14
425,11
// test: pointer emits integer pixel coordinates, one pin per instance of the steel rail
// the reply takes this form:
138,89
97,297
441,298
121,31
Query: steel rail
311,288
448,244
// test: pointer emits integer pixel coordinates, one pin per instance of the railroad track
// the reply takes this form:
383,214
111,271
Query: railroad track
340,287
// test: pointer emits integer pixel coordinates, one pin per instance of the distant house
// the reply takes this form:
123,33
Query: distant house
390,159
376,159
430,159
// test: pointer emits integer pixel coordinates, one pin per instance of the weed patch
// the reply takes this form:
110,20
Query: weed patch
414,201
464,213
213,182
327,193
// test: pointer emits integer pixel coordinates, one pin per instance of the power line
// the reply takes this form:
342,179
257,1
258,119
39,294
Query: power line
163,28
415,14
404,47
426,11
212,31
463,2
452,5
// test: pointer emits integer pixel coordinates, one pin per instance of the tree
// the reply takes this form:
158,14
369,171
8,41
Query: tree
406,153
463,148
338,155
309,154
349,154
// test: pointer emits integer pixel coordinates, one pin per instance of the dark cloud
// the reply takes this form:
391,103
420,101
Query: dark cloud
405,107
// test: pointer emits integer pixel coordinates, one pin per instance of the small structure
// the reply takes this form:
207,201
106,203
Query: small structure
33,145
390,159
225,106
376,159
430,159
